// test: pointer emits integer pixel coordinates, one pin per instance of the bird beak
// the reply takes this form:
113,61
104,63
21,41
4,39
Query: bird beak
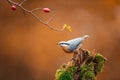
57,43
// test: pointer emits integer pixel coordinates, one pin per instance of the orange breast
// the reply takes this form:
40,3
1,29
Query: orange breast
65,48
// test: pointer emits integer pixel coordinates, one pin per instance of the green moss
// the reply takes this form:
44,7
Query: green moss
99,63
98,68
99,58
71,69
88,53
87,72
88,75
65,73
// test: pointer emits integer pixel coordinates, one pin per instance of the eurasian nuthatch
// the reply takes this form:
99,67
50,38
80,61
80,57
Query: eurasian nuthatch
71,45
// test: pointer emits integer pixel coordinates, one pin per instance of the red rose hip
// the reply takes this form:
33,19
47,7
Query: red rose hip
13,7
46,10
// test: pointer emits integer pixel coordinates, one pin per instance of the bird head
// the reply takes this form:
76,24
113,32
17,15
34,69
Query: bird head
64,45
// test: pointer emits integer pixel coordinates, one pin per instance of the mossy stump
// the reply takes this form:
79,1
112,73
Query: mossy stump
83,66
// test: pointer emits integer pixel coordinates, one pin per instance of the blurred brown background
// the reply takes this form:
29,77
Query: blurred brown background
28,49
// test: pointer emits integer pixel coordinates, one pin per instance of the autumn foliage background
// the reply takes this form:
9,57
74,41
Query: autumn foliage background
28,49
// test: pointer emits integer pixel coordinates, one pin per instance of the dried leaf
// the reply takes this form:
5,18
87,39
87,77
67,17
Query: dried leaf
67,27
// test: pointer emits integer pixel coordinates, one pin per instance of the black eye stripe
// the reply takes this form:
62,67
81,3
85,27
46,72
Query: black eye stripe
66,43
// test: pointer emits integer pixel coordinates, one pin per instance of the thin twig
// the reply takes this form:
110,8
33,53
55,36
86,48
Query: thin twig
22,2
50,19
34,15
36,9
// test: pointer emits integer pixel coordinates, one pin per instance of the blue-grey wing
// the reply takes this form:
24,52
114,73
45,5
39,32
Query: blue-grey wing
76,41
71,48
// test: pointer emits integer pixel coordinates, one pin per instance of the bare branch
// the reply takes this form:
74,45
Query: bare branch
34,15
36,9
22,2
50,19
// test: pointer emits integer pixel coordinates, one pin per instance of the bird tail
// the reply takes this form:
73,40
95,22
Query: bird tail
85,37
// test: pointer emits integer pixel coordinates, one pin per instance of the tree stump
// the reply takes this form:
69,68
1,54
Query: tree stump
83,66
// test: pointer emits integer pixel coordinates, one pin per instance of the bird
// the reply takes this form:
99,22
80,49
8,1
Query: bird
72,45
